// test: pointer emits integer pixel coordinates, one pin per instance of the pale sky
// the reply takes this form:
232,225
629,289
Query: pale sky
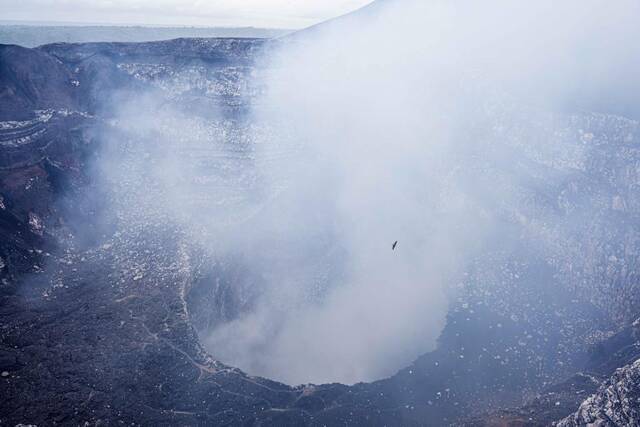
257,13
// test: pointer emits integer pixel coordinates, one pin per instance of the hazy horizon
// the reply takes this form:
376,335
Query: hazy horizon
45,23
33,34
279,14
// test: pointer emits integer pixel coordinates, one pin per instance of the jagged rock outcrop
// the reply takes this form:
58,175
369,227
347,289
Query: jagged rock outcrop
615,404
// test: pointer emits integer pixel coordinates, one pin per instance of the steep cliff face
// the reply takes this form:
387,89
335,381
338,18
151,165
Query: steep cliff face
616,403
31,80
40,162
43,143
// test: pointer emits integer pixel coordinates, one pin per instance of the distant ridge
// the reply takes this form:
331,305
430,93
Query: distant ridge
32,34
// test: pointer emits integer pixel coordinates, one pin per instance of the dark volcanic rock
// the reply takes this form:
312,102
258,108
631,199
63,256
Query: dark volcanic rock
559,400
33,80
41,159
17,247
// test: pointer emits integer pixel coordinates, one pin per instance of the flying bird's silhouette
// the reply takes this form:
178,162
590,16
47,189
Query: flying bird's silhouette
393,248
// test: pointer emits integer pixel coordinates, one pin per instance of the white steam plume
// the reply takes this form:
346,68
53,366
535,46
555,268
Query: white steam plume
383,109
382,126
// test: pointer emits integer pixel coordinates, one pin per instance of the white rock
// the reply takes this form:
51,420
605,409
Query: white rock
37,226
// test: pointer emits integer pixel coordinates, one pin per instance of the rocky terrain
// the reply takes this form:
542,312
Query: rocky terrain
103,307
615,403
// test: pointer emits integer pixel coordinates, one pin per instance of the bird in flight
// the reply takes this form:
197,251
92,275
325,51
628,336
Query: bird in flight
393,248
